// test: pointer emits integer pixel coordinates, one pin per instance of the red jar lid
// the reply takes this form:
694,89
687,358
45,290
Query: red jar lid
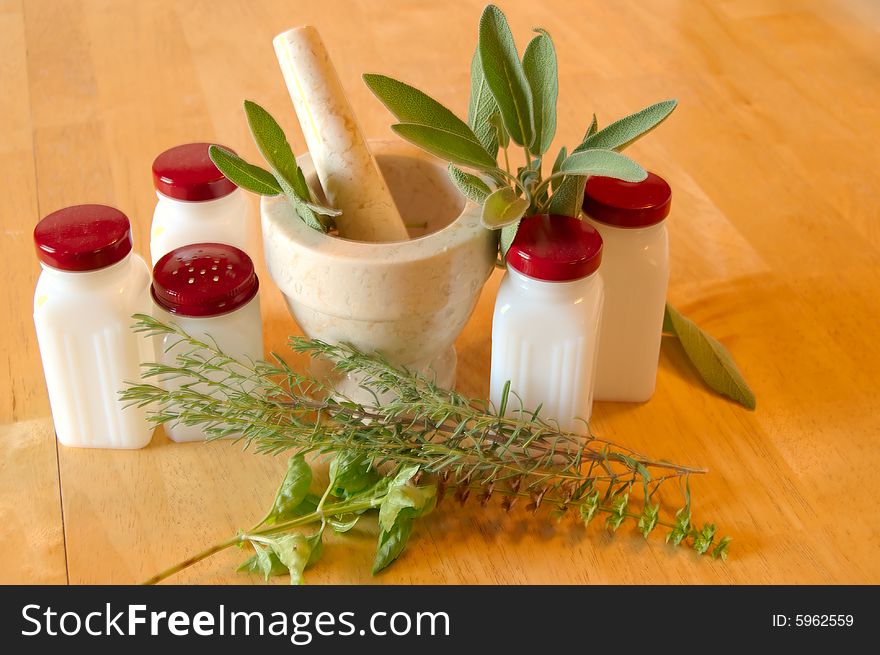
204,279
627,204
187,173
83,238
555,248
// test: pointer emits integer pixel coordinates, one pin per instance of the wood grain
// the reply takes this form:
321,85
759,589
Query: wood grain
772,155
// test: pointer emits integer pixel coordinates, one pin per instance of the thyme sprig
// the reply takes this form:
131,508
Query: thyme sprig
403,452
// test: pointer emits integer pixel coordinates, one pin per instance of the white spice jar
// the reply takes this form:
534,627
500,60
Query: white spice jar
197,203
630,216
546,324
212,292
89,287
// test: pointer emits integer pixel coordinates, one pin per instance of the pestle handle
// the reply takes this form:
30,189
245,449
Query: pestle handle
349,175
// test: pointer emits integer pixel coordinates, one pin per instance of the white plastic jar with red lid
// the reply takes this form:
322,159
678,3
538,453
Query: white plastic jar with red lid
631,217
197,203
545,329
90,286
211,291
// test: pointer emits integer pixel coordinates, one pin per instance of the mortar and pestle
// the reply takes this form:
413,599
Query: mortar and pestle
377,286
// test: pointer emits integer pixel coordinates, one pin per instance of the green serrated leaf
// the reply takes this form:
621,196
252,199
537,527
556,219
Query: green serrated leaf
618,512
481,105
711,360
648,519
603,162
703,538
505,76
471,186
420,500
589,507
292,491
273,145
508,234
411,106
720,550
247,176
539,64
502,208
446,145
623,132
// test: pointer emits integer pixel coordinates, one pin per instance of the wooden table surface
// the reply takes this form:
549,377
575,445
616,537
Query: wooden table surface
774,161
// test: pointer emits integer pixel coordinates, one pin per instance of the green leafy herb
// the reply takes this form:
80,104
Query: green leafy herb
273,145
625,131
292,492
247,176
502,208
471,187
711,360
428,441
539,64
409,105
603,162
447,145
505,76
481,106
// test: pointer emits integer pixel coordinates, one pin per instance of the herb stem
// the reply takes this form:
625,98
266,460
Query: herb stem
177,568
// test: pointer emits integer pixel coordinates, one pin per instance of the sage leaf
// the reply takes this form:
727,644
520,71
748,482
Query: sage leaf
392,542
712,360
351,473
308,215
409,105
472,187
568,197
623,132
292,491
273,145
505,76
603,162
592,129
502,207
563,154
264,562
402,495
508,234
501,135
247,176
539,64
481,105
447,145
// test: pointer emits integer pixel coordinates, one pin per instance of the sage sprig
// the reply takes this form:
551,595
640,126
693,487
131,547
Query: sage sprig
513,101
285,177
399,457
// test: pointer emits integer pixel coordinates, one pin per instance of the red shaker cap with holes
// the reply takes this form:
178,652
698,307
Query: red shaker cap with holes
204,279
83,238
187,173
555,248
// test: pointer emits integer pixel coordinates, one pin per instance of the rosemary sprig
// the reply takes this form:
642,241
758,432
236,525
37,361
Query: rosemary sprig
426,441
